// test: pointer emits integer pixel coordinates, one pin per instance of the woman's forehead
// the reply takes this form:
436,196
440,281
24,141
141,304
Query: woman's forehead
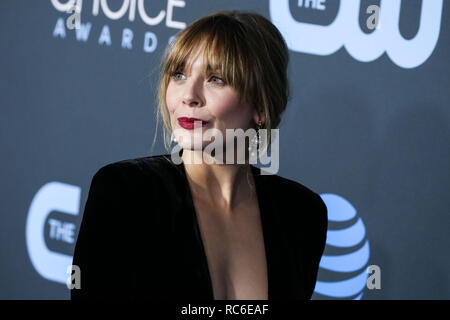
198,58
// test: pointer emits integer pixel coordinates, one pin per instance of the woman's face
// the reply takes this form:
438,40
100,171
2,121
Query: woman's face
192,94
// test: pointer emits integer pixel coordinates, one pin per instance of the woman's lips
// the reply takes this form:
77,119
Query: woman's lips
188,123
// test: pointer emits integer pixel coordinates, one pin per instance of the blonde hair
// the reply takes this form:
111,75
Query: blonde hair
246,48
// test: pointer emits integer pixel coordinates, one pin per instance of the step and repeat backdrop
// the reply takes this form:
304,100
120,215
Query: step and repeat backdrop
367,127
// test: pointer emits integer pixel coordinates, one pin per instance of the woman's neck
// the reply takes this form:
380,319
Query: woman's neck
222,185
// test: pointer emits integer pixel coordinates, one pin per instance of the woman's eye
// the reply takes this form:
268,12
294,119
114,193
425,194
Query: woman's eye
217,80
178,75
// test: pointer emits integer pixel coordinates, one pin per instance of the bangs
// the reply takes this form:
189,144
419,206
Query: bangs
224,51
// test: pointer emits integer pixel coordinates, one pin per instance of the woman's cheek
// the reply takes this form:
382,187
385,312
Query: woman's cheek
223,105
170,106
170,101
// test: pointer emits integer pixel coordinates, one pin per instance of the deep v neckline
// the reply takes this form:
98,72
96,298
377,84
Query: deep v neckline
264,223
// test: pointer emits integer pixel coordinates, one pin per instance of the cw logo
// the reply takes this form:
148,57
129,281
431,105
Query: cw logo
53,196
345,31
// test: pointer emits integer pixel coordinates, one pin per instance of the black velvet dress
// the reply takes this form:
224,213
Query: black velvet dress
139,237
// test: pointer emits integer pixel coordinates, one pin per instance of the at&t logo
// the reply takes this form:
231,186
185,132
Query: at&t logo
348,266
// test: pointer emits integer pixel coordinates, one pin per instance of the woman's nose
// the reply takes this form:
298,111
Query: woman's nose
191,95
190,100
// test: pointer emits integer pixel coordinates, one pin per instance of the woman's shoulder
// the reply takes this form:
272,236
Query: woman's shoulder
135,176
141,167
296,198
288,187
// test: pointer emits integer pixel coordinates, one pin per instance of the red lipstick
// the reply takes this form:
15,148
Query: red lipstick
188,123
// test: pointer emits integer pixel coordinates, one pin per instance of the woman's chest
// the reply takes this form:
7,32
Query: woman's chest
235,252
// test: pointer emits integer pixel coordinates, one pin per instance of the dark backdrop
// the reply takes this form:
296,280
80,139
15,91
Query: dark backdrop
367,127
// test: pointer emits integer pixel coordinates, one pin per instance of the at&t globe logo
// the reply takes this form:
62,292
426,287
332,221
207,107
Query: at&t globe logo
343,267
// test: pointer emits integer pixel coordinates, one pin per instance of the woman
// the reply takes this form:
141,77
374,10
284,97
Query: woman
201,228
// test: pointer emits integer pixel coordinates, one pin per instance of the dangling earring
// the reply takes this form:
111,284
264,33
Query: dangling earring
173,138
254,142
